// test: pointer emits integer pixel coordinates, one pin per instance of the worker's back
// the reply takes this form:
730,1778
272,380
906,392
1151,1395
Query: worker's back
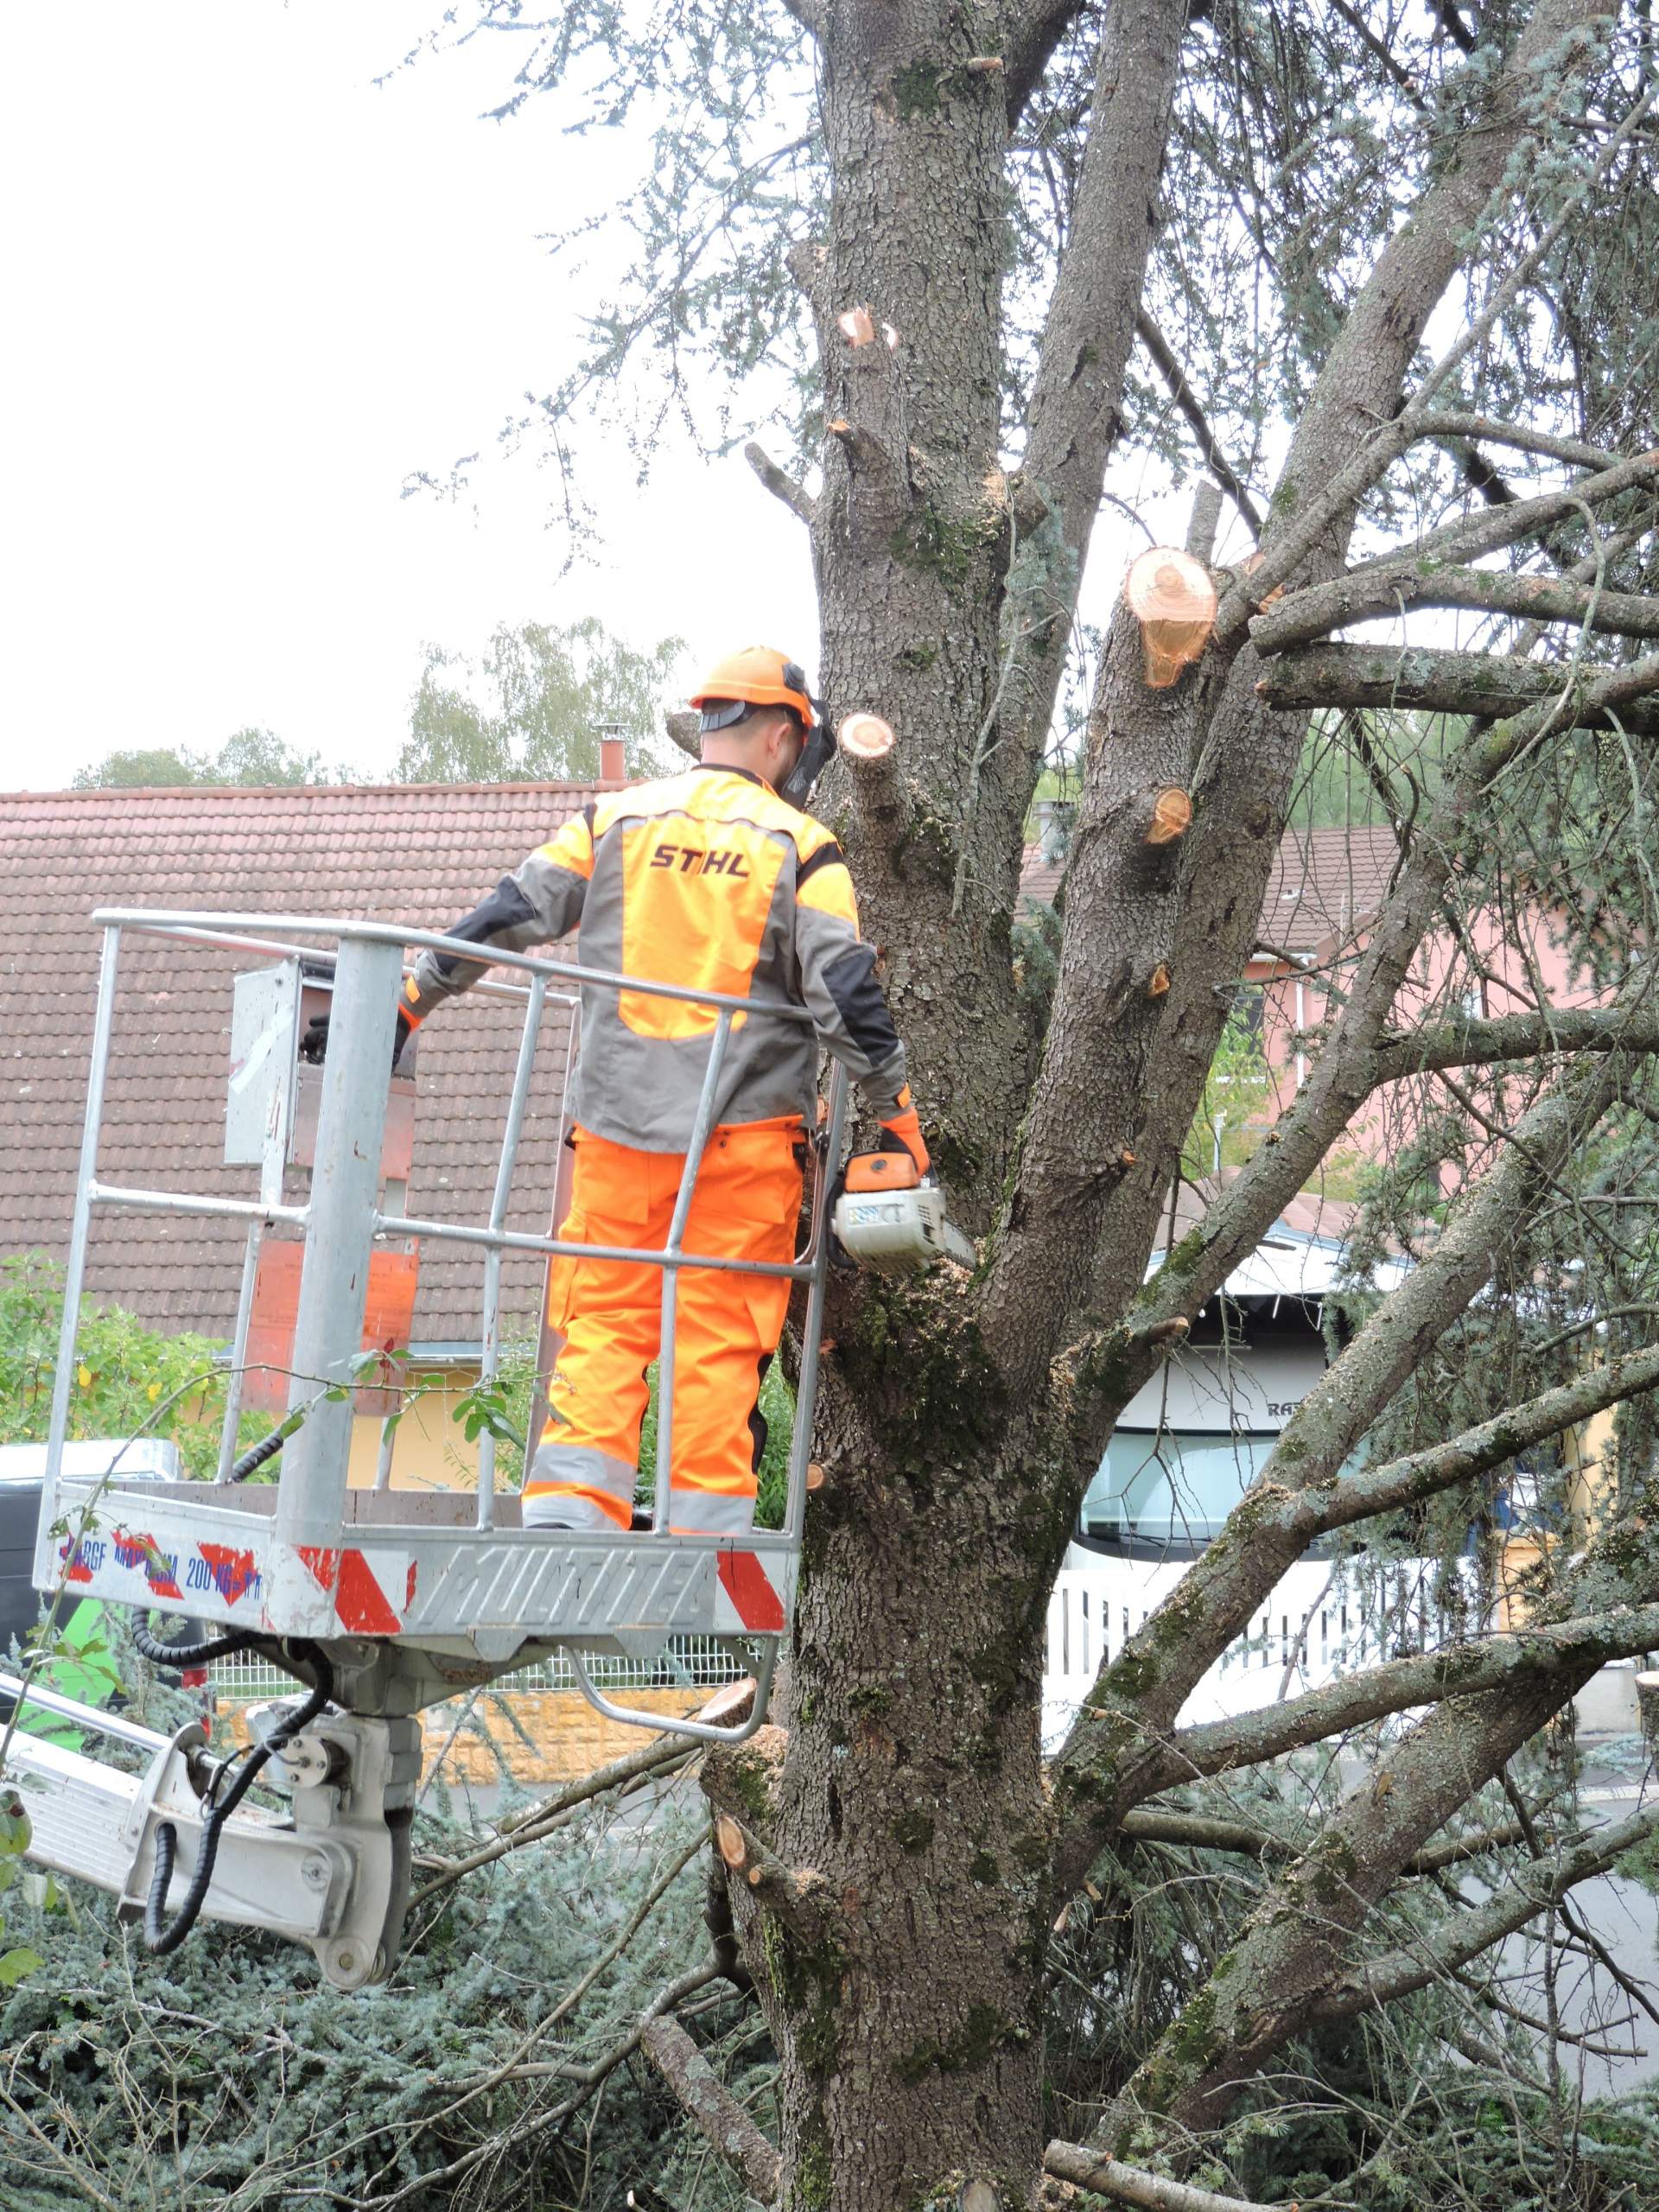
711,882
696,879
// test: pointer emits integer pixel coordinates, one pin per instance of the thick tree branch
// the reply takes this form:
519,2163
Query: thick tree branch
1034,31
1339,1503
1453,1670
1109,2177
1291,1947
1388,586
1516,1036
1522,436
1384,1979
780,484
1181,392
719,2117
1469,537
1466,684
1073,417
1202,1832
799,1897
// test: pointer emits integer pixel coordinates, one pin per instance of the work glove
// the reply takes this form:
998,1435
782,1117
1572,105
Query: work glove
314,1046
903,1133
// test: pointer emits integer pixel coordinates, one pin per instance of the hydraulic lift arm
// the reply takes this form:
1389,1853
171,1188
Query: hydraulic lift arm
332,1874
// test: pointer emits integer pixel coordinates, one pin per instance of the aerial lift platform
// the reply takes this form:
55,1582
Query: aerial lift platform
379,1602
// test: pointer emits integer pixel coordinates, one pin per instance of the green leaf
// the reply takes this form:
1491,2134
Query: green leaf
17,1963
15,1830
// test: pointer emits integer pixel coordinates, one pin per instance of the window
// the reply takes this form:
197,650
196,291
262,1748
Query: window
1171,1488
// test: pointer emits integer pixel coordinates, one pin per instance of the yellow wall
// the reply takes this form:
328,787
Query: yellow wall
566,1738
430,1450
1588,1452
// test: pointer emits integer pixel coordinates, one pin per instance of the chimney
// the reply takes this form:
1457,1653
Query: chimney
612,768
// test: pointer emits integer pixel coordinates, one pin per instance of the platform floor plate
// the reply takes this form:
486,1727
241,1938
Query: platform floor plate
417,1578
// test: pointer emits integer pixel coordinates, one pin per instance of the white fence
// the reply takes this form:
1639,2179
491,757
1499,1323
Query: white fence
1323,1619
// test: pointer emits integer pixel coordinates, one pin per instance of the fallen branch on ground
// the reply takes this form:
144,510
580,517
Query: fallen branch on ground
710,2104
1086,2168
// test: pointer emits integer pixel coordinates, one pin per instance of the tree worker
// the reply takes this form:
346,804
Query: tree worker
715,879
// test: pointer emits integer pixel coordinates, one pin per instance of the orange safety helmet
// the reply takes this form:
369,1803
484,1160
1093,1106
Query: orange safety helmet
757,677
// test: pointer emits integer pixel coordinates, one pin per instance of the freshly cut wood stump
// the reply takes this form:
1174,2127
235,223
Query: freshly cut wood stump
1170,817
1171,595
865,737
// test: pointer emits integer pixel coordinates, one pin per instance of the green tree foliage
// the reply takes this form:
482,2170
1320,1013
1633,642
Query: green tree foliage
250,756
129,1378
532,706
226,2076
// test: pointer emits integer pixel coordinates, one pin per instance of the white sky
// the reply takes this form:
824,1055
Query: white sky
246,292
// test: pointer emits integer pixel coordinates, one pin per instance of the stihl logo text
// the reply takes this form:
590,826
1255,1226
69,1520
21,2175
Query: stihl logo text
691,860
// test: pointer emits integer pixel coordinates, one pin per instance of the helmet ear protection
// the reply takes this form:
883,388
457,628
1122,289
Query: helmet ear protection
816,753
718,713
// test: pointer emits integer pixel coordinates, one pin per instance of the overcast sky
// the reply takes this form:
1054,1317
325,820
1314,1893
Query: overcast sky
247,291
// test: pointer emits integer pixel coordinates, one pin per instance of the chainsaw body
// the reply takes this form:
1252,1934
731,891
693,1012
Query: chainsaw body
890,1217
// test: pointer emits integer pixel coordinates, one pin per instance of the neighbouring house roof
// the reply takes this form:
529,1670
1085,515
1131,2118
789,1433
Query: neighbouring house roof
1324,883
1301,1257
418,854
421,854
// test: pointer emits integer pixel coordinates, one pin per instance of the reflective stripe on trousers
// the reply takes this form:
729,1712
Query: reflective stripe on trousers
746,1205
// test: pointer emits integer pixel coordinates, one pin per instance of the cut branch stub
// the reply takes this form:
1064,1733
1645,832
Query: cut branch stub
1171,595
684,726
1171,817
730,1841
857,327
864,738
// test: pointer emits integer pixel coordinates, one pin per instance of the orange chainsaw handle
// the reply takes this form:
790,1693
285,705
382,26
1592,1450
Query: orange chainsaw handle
882,1171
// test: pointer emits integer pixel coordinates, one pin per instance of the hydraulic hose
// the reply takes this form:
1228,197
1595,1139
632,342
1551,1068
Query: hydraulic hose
159,1653
256,1455
161,1936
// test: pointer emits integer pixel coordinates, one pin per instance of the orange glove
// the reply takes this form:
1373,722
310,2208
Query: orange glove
906,1131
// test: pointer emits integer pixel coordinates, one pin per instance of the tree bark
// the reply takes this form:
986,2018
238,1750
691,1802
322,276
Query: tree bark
1387,587
1413,677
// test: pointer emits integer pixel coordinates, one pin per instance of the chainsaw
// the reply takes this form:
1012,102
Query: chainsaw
890,1216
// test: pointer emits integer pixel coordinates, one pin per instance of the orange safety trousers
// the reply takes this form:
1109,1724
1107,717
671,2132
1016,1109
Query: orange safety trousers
745,1206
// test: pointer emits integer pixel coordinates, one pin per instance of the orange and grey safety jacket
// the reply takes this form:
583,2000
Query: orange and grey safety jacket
711,880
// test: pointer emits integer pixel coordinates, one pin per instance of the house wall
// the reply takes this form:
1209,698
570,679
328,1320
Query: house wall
429,1449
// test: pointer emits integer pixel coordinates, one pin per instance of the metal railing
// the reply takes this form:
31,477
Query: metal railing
689,1663
344,1215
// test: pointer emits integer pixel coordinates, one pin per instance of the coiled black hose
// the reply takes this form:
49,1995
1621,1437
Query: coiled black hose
159,1653
161,1937
256,1456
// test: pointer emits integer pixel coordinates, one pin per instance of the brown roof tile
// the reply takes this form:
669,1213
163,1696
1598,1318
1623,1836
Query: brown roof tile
1324,883
421,854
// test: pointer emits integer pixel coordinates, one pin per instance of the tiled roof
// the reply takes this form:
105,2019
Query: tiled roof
421,854
1323,882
